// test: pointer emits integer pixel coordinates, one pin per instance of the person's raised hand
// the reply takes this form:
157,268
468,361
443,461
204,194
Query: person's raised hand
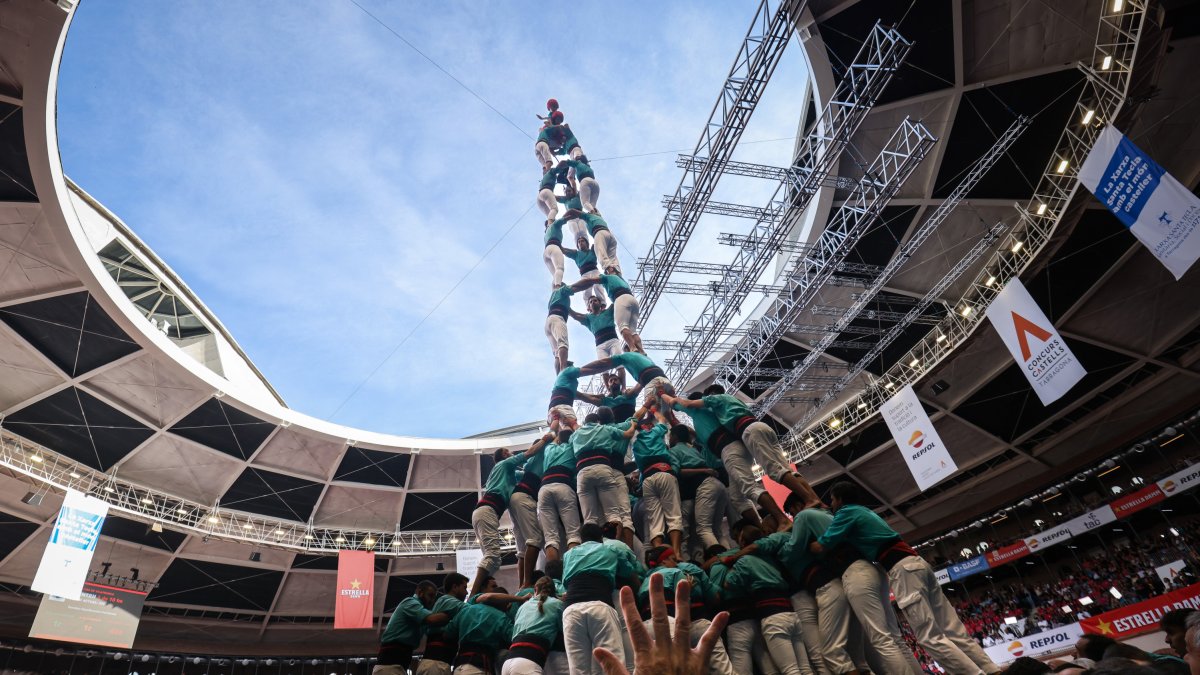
664,653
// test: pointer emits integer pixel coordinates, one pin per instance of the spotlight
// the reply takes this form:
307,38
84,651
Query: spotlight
1106,63
1016,247
156,527
940,387
1087,117
1041,209
32,498
255,556
1062,166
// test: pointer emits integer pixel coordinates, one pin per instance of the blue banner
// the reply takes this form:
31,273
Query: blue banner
968,567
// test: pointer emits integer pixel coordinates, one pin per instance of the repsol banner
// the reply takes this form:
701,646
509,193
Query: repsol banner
1142,617
1042,644
1047,538
1180,481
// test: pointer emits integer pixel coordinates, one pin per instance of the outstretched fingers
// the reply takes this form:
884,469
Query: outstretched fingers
638,636
609,662
709,639
683,621
658,613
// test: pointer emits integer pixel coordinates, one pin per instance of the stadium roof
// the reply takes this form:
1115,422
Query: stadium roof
108,360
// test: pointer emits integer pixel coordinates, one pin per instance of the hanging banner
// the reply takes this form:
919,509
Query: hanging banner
1168,572
1156,208
942,576
1041,644
1047,538
1180,481
1141,617
968,567
1132,503
923,451
68,555
1033,341
105,616
355,603
1007,554
1089,521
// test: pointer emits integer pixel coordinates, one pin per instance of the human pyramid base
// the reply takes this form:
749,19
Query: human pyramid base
793,590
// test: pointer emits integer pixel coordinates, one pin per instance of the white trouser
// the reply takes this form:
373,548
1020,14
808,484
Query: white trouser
432,667
561,412
576,152
660,497
603,498
556,332
558,514
579,229
542,150
719,664
761,441
486,523
589,193
743,643
806,613
934,622
469,670
527,531
711,502
552,255
548,204
520,666
867,592
556,664
593,291
739,465
610,347
389,670
625,312
785,642
834,619
606,250
587,625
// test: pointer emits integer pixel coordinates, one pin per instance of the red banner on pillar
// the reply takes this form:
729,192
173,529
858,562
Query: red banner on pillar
355,590
1130,504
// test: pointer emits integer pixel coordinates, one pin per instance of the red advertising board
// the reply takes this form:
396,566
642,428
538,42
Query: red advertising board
1142,617
1007,554
1132,503
355,590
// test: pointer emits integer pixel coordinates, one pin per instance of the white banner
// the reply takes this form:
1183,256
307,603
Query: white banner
1180,481
1047,538
1160,211
1047,642
68,554
918,441
1033,341
1169,571
942,576
466,561
1090,520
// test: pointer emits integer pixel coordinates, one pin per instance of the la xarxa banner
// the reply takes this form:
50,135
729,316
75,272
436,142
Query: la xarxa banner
1045,358
1156,208
355,586
68,555
923,451
1142,617
1040,644
106,616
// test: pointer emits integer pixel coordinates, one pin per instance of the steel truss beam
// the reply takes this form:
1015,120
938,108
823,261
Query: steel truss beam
36,464
1104,94
899,260
721,269
673,203
882,53
752,68
794,175
873,314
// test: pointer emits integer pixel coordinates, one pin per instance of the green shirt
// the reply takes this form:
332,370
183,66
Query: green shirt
778,548
561,297
862,528
535,465
581,170
480,625
717,575
613,283
545,623
752,575
405,625
559,456
649,447
503,477
553,177
598,322
727,409
582,258
603,558
684,456
703,421
556,133
599,438
568,378
571,202
634,362
554,231
807,527
671,577
445,603
593,222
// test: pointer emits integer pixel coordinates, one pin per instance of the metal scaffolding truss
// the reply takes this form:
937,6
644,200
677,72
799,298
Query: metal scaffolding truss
1103,95
881,54
673,203
873,314
720,269
780,173
903,152
756,60
744,359
34,463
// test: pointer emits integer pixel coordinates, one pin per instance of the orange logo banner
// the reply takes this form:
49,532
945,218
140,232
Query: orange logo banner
1142,617
355,603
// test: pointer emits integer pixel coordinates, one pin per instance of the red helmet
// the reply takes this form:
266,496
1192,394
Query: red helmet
552,104
556,117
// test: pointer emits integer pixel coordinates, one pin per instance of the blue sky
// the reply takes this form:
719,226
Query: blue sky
321,186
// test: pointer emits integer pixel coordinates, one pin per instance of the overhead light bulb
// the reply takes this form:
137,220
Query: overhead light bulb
147,500
369,541
454,541
990,280
308,536
247,526
426,542
1106,63
1041,209
396,542
966,310
890,385
941,337
810,440
214,519
835,423
1062,166
75,475
1017,245
279,533
862,406
1118,5
109,488
1087,117
340,539
36,459
914,363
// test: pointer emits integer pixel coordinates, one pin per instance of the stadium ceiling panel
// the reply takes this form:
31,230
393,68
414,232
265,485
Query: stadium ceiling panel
90,372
